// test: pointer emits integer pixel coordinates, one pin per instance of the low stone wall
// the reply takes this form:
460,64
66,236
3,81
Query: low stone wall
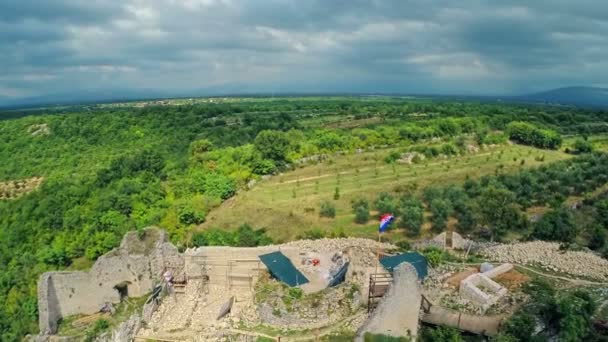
470,287
496,271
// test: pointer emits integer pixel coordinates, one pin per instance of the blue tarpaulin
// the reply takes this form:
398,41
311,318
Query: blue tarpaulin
340,276
416,259
281,268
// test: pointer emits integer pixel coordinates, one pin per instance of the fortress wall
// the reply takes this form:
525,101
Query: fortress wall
134,266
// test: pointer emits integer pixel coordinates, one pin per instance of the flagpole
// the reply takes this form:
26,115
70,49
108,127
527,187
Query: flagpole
378,251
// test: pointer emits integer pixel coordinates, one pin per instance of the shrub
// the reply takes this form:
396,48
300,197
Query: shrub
327,210
404,245
412,218
312,234
598,238
392,157
441,210
244,236
434,256
361,210
556,225
582,146
187,215
385,204
528,134
295,292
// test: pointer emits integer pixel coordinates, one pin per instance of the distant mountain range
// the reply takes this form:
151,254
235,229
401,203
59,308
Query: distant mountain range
577,96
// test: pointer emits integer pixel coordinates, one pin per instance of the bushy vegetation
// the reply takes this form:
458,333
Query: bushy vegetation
529,134
244,236
327,209
110,170
361,210
561,315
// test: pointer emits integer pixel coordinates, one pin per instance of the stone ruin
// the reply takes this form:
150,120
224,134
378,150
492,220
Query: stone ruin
451,240
481,289
127,271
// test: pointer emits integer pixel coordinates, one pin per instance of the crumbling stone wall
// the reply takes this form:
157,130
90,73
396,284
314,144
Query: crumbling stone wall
133,266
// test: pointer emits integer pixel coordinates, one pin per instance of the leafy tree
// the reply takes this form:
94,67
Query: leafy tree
556,225
440,334
497,209
385,204
218,185
441,210
361,210
412,214
273,145
102,242
263,166
431,193
412,218
598,238
575,312
246,237
582,146
466,219
187,215
200,146
521,326
529,134
601,208
327,209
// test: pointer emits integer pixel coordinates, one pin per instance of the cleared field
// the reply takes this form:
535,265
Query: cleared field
288,204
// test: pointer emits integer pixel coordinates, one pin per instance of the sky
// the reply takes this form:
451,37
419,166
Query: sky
260,46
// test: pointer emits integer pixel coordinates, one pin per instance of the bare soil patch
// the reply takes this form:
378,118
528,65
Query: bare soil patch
14,189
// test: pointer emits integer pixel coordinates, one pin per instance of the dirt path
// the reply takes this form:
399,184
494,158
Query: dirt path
574,281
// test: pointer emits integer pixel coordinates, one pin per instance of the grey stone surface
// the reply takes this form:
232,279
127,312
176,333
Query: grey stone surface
126,331
134,264
397,313
548,256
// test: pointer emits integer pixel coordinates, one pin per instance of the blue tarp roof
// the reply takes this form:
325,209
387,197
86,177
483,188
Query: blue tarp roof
416,259
281,268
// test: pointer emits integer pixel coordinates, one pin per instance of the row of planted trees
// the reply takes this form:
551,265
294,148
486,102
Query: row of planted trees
495,205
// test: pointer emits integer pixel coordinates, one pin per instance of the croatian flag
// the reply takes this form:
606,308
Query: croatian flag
385,220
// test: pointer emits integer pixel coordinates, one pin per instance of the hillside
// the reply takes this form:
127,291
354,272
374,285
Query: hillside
578,96
288,205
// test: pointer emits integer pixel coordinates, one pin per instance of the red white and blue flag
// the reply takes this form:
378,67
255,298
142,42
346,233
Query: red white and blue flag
385,220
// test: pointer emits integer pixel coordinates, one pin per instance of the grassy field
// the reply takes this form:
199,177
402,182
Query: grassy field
288,204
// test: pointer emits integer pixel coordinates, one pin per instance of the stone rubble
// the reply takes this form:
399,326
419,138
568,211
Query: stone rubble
548,256
365,249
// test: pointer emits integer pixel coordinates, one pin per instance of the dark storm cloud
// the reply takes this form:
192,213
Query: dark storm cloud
422,46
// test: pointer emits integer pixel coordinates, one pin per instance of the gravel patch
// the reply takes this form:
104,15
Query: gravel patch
547,255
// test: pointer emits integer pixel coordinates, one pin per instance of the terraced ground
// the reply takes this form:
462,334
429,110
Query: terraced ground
287,205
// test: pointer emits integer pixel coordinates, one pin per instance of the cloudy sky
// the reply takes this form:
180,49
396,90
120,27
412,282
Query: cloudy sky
235,46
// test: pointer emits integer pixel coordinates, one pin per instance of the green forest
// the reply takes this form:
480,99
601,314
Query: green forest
109,170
